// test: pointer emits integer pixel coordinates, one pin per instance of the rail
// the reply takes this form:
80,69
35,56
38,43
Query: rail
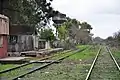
92,66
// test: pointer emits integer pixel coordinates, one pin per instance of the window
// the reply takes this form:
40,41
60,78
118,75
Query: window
13,39
1,41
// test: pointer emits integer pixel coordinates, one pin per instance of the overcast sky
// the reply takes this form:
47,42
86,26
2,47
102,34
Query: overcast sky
103,15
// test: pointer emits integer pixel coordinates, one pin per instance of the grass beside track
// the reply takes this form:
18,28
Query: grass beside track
86,54
9,75
22,70
116,54
7,66
75,67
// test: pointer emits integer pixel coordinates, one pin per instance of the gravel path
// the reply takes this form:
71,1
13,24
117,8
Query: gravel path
105,68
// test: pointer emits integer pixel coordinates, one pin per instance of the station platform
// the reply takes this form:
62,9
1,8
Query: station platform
13,60
41,53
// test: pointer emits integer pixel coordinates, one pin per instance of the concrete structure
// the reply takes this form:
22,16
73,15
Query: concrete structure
15,60
35,42
4,32
21,38
41,44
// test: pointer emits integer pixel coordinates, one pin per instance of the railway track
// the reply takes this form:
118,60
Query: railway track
104,66
36,67
28,63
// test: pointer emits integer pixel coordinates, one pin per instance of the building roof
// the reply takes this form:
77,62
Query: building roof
22,29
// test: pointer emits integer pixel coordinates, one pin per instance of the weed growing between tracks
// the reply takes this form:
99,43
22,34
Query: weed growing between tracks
104,68
73,68
60,72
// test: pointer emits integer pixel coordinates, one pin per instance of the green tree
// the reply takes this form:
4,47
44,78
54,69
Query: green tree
85,25
62,32
47,34
27,11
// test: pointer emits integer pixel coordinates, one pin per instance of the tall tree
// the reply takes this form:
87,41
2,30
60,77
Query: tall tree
86,26
27,11
68,29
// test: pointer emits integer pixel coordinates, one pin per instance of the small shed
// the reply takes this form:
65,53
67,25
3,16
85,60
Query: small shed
4,32
21,38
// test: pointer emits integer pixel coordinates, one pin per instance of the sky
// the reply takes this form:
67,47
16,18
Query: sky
102,15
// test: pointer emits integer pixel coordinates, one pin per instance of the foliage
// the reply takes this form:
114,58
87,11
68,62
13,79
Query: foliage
62,32
6,66
70,33
110,38
29,11
113,40
85,25
47,34
74,30
86,54
68,29
116,36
